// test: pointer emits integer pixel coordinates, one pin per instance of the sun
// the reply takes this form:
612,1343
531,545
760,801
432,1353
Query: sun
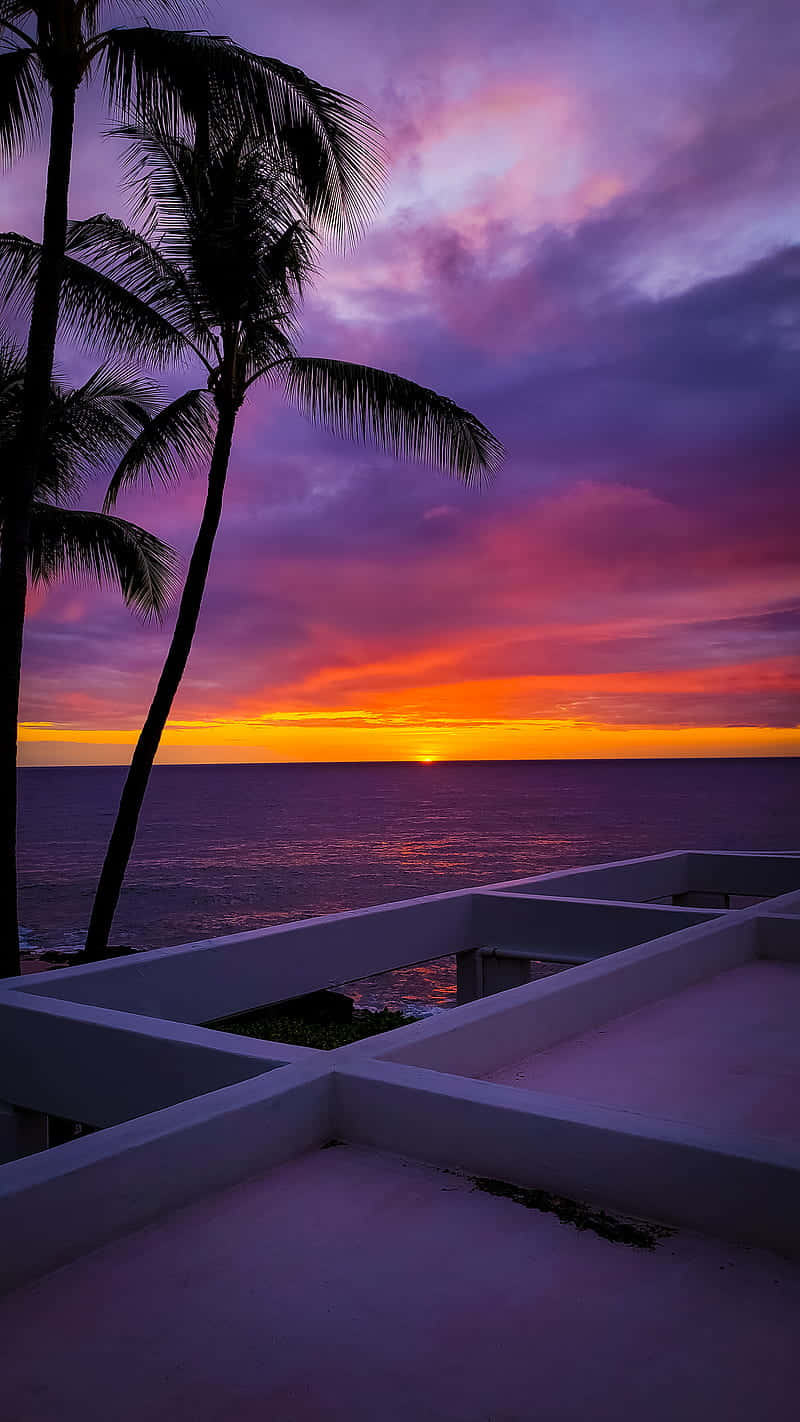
426,759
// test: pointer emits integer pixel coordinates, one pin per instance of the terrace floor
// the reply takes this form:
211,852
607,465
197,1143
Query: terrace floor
352,1286
723,1054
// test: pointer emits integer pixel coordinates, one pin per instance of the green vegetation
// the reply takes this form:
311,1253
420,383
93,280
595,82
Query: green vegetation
636,1233
277,1025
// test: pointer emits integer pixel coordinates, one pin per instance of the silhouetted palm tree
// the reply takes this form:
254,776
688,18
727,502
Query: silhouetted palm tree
222,279
53,48
87,429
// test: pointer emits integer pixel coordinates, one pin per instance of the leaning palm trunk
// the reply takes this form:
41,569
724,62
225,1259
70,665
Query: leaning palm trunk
123,836
224,281
15,539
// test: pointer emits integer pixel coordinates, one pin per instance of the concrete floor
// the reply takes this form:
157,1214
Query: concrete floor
350,1287
724,1054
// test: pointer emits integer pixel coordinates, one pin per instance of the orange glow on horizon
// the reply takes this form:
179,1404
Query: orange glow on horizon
387,711
242,742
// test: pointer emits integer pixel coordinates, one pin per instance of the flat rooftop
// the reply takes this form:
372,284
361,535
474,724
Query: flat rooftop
350,1285
723,1054
250,1231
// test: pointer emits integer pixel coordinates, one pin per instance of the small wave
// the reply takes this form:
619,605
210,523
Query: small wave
30,948
28,944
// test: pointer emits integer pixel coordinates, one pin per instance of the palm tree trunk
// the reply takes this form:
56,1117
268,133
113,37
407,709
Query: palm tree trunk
15,536
133,793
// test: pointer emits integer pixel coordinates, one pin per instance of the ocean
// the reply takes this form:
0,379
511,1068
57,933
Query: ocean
223,849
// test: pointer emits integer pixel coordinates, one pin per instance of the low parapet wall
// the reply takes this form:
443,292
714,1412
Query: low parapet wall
631,880
100,1067
658,1170
594,925
91,1043
59,1204
487,1034
764,876
199,982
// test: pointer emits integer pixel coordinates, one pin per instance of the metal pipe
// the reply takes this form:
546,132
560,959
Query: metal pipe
537,955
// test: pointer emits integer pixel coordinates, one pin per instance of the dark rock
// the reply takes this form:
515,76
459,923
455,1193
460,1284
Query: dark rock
66,957
323,1006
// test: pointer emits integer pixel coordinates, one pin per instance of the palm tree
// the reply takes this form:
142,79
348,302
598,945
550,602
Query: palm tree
223,279
56,46
87,429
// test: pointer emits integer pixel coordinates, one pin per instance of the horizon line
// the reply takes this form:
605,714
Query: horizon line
409,760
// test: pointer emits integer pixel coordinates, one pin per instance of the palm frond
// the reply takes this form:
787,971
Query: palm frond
337,156
157,163
100,311
117,251
176,9
88,428
12,11
20,102
65,458
94,307
361,403
166,179
331,144
98,547
56,476
287,263
232,224
19,264
168,446
90,12
53,480
266,348
167,75
121,391
334,148
12,371
12,375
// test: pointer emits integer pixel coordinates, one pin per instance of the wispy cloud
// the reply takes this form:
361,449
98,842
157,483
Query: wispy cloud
589,238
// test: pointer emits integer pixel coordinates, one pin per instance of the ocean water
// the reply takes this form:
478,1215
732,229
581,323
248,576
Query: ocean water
224,849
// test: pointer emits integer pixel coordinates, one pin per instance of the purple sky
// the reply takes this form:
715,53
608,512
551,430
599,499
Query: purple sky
590,238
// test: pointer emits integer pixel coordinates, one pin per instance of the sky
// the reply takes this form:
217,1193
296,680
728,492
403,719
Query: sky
590,237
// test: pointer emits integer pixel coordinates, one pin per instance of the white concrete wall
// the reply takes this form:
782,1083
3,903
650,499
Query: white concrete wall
696,871
64,1202
633,880
785,903
661,1171
72,1044
762,875
590,925
483,1036
101,1067
198,982
779,938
